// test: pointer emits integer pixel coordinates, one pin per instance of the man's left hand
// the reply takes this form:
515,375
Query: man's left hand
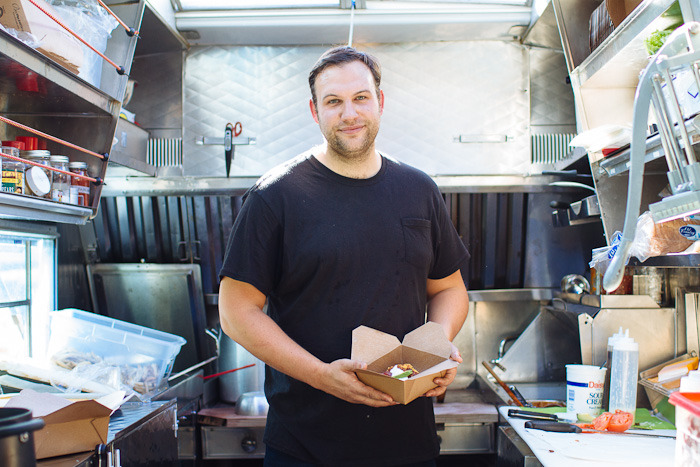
448,378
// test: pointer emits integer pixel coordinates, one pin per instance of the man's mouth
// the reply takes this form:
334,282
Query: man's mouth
351,130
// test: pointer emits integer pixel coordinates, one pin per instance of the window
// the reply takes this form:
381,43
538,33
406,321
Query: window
27,291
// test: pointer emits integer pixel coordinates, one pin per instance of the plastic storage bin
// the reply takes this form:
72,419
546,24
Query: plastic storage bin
687,427
143,356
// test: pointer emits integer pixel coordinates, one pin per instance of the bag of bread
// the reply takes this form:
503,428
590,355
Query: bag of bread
660,239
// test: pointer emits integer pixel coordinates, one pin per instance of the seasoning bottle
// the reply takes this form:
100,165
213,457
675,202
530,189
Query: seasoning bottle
12,172
623,378
79,187
39,157
608,364
60,186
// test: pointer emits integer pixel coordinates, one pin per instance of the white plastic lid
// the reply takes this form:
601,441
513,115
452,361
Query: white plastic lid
626,343
38,181
617,335
691,382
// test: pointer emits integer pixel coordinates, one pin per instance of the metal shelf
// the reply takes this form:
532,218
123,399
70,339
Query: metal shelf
617,61
669,261
35,83
27,207
620,163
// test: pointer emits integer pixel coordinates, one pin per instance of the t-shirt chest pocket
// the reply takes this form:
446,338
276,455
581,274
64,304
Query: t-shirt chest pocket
418,247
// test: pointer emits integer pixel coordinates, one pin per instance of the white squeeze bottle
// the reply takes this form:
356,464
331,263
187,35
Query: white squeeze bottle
608,364
623,377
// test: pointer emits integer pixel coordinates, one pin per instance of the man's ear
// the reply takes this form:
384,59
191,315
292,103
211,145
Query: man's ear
314,114
381,101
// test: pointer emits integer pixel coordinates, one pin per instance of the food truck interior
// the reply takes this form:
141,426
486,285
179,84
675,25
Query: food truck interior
522,111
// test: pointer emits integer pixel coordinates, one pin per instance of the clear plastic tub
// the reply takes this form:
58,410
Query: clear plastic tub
687,427
143,357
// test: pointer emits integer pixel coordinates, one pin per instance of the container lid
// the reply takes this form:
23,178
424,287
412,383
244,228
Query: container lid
690,383
77,165
35,153
38,181
617,335
690,401
58,158
625,343
10,150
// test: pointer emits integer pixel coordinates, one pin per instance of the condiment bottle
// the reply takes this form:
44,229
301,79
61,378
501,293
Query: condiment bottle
623,378
39,157
608,364
12,172
60,186
79,187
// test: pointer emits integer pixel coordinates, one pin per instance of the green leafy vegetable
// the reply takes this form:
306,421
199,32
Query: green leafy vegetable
403,375
656,40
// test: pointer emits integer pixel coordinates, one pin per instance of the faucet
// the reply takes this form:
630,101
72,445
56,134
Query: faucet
502,351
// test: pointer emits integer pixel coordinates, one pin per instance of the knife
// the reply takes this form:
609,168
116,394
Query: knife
560,427
557,427
531,415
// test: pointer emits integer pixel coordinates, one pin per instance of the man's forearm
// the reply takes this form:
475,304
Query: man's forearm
449,308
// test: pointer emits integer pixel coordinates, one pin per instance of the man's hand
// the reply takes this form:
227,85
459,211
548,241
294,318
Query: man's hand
339,380
448,378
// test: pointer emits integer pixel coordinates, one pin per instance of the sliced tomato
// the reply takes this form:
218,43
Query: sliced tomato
602,421
584,426
620,421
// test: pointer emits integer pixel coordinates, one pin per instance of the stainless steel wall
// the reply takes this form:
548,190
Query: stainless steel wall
435,92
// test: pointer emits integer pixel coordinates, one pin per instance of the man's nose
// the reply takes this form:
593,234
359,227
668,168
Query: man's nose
349,111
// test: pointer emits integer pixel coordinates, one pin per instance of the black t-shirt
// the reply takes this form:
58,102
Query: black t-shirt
333,253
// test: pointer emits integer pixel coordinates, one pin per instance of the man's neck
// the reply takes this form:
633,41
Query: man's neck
360,167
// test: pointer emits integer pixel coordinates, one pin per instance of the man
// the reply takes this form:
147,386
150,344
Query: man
339,237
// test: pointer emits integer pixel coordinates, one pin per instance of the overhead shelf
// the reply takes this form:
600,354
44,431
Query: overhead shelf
35,83
26,207
620,162
616,62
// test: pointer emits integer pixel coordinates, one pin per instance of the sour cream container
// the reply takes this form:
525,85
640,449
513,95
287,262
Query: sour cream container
584,389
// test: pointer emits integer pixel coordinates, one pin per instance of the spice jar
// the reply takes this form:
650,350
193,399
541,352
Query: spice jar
38,157
79,187
12,172
60,185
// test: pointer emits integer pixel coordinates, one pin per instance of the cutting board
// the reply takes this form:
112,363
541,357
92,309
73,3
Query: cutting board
227,416
595,449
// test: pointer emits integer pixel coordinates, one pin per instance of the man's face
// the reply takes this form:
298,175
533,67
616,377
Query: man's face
348,109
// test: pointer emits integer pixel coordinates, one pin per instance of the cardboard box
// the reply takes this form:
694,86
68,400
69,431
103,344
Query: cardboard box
56,43
426,348
70,426
620,9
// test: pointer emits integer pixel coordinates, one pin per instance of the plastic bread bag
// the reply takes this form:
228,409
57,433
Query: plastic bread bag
650,239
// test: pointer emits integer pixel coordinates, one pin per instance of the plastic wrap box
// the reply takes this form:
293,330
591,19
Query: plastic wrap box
143,356
687,428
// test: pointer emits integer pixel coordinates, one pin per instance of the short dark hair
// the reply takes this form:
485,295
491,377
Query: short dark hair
340,55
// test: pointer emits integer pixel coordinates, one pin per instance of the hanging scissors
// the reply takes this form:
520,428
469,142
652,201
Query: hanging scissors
229,148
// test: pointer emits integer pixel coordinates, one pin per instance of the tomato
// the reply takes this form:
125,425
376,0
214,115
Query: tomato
602,421
620,421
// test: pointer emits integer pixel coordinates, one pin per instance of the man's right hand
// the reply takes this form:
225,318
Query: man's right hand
339,380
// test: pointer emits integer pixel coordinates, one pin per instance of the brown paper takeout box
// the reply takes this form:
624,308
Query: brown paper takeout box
70,426
426,348
56,43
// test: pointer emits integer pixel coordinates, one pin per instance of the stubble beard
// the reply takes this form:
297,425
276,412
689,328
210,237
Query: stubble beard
352,151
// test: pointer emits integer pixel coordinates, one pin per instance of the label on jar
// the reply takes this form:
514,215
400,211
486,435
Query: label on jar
12,181
691,232
60,195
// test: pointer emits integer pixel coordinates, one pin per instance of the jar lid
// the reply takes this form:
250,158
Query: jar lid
35,153
38,181
77,165
9,150
58,158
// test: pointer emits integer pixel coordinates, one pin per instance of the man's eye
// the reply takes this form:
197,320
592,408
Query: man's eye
361,98
332,101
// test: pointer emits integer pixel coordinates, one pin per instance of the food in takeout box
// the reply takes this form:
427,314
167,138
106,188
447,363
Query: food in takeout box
70,426
427,348
113,352
401,371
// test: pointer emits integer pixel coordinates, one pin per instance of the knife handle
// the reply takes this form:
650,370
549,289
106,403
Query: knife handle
553,426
